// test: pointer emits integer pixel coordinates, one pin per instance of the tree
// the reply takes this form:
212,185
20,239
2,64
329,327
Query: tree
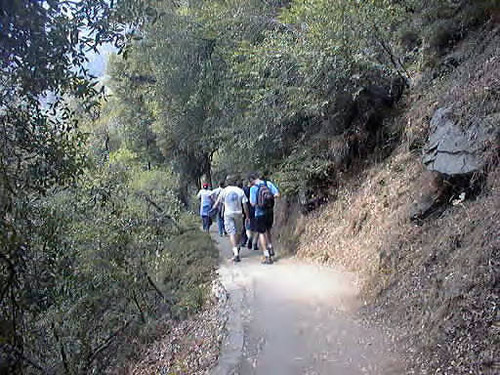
43,46
130,105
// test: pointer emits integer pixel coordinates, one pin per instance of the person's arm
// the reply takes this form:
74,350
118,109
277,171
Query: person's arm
214,195
253,195
218,201
274,189
244,203
247,211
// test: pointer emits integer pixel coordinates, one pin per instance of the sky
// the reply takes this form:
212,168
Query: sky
98,61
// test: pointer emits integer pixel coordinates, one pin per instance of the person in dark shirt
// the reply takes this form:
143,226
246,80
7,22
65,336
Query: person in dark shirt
251,233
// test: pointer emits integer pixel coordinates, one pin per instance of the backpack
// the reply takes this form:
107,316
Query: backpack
265,198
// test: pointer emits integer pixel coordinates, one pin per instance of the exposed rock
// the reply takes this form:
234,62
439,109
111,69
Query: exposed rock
451,149
433,191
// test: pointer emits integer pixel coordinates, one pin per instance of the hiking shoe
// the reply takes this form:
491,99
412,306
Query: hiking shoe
271,251
267,260
236,259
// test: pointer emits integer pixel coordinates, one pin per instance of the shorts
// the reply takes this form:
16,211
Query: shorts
253,225
233,224
265,222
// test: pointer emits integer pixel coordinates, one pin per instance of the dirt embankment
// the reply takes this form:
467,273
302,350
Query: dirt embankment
189,346
435,277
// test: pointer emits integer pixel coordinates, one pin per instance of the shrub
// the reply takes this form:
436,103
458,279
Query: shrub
136,258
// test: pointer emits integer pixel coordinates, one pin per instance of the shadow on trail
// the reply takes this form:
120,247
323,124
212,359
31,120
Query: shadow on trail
294,318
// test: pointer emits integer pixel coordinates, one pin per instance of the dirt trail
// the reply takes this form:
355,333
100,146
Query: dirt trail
295,318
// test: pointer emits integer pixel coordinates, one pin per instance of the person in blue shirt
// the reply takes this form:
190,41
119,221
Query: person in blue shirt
264,216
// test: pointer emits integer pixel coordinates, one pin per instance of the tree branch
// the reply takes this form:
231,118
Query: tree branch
151,282
61,349
134,297
395,62
7,348
105,344
159,209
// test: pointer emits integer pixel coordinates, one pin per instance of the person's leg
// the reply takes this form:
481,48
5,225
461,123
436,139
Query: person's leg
260,222
220,224
223,224
263,243
269,243
249,238
240,230
253,235
243,235
243,238
233,237
269,225
204,222
233,231
255,240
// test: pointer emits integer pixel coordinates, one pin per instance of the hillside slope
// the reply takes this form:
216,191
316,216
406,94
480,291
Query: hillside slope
427,243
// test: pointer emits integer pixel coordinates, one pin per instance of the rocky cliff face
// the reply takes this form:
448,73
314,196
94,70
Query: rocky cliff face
452,150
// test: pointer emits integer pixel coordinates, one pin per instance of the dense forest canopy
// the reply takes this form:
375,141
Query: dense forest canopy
97,240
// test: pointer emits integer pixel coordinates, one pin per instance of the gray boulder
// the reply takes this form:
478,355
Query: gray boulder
453,150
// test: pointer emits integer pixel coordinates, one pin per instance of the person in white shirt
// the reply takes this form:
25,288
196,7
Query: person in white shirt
220,211
234,203
204,195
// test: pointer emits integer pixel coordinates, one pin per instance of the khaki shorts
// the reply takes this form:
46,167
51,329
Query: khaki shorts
233,224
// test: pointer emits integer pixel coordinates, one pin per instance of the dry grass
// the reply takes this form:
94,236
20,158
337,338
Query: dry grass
441,287
437,281
189,346
352,231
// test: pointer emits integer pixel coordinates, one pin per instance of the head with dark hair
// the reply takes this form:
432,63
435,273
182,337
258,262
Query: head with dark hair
221,183
232,179
265,174
252,177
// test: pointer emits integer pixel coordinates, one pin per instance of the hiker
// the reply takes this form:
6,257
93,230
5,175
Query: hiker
252,235
220,212
243,235
234,202
262,196
204,195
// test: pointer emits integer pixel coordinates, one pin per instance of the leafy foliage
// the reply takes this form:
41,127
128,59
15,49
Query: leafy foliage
137,257
68,266
94,235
